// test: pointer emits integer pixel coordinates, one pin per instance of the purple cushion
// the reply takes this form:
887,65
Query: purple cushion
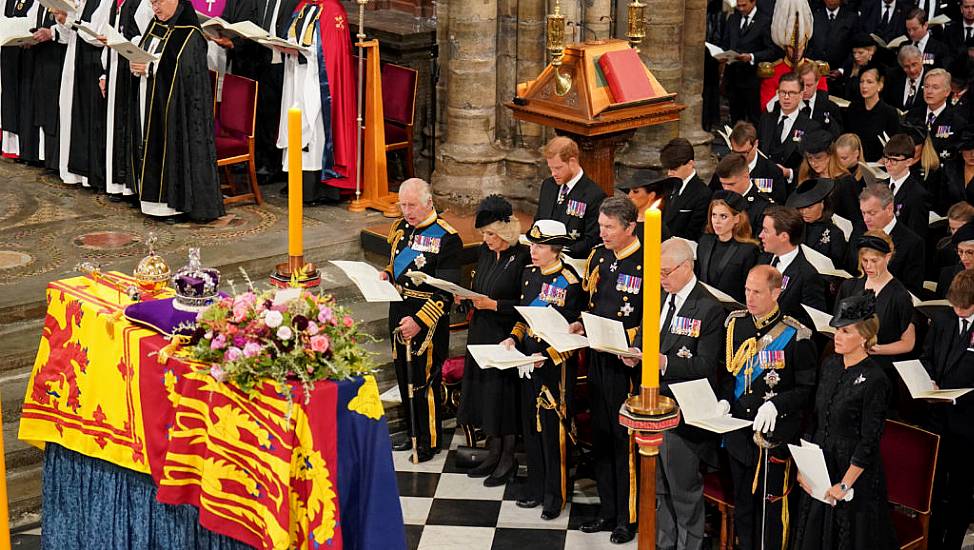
161,316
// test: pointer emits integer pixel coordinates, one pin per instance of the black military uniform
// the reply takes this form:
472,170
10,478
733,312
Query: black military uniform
578,210
614,281
757,203
769,359
433,247
546,396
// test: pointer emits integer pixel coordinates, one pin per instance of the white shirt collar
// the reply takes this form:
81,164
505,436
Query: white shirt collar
750,14
832,13
889,228
898,183
571,183
792,116
922,44
686,181
753,163
969,319
810,102
785,259
681,297
937,111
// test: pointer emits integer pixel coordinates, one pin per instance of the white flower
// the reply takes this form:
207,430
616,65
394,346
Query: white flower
284,333
273,318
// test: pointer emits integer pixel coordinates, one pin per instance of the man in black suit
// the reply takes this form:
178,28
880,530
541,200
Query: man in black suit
733,176
907,265
957,32
569,196
936,115
685,211
748,32
781,236
948,356
772,364
884,18
832,30
691,348
903,89
911,203
817,105
764,174
781,131
935,52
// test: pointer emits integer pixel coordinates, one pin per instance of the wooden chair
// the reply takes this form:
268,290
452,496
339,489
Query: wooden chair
718,491
235,122
399,86
910,460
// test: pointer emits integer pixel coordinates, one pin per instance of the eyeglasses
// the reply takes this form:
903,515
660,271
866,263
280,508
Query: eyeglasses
664,273
965,253
788,93
894,159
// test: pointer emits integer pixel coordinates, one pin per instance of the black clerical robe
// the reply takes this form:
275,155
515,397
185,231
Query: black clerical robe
178,165
86,148
21,139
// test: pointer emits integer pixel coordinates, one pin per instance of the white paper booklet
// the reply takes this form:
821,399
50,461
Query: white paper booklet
921,386
811,463
698,405
823,264
608,335
127,49
843,224
718,53
892,44
66,6
272,41
496,356
244,29
16,31
85,27
548,324
366,278
820,319
419,278
722,296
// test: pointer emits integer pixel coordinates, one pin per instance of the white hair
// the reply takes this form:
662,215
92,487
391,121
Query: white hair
418,186
676,249
786,13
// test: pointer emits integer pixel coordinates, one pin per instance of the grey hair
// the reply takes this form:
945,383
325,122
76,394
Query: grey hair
510,231
676,249
878,191
908,52
938,72
420,186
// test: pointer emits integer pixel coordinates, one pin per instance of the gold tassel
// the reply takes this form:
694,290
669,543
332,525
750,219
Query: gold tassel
431,400
632,480
757,471
785,520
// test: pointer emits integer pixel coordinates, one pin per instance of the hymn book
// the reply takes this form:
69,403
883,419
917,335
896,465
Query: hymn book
84,27
698,405
496,356
921,386
272,41
811,463
126,48
59,5
843,224
822,263
892,44
608,335
366,278
420,278
821,320
718,53
16,31
242,29
722,296
551,327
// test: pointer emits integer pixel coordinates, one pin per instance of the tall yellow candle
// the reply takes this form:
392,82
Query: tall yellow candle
4,522
295,203
651,288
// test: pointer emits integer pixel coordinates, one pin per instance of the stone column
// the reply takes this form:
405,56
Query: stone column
597,19
691,90
662,51
468,162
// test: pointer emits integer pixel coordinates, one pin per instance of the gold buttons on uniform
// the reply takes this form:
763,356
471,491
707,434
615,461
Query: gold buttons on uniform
625,298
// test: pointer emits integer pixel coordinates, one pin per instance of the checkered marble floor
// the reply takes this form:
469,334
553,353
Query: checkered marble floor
445,509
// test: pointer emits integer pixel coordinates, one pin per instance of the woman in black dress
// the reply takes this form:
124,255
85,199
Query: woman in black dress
850,411
822,161
958,181
488,399
726,251
894,305
812,199
869,116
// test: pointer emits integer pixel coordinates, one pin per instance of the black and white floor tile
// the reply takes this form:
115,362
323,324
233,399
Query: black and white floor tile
445,509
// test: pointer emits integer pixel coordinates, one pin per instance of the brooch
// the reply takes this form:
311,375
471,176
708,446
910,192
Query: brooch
772,378
420,261
825,238
613,266
684,353
859,380
769,395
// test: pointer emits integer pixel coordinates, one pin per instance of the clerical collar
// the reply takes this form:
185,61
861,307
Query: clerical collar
627,250
427,220
767,320
889,227
570,184
551,269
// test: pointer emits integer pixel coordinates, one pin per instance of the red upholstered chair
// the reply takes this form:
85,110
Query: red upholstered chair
910,460
235,121
717,490
399,110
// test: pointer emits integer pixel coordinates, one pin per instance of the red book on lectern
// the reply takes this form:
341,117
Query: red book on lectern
626,76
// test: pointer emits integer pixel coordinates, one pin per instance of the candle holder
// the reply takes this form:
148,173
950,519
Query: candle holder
636,30
296,272
647,416
555,44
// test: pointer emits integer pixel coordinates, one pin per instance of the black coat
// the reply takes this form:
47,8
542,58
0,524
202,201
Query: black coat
827,114
686,214
755,40
827,238
911,204
788,152
724,266
946,277
936,54
953,188
583,223
766,177
953,35
792,391
845,200
871,14
757,203
908,262
830,39
894,90
800,284
870,124
949,359
941,133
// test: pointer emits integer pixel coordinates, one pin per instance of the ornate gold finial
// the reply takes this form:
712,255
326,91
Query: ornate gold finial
636,30
152,273
555,44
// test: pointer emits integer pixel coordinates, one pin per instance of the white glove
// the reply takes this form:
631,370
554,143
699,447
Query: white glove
524,371
766,417
723,407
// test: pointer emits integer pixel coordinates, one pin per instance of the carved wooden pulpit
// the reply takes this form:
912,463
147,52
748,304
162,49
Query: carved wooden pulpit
575,100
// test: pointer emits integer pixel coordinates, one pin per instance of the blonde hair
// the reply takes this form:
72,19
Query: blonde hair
510,231
868,328
851,141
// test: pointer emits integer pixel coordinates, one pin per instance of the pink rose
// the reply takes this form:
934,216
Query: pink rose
326,315
349,322
233,353
320,343
218,342
312,328
252,349
240,311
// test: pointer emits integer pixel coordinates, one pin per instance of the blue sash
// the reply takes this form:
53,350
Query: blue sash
777,344
407,255
561,282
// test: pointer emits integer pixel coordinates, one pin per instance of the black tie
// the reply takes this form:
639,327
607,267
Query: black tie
885,14
781,129
967,325
892,187
831,17
968,32
669,315
744,23
807,109
774,262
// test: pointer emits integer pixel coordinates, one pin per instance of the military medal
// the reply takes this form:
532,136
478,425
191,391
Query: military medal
420,261
614,266
764,185
426,244
626,309
573,234
771,378
575,208
684,353
768,396
628,283
798,135
553,294
683,326
825,238
771,359
784,282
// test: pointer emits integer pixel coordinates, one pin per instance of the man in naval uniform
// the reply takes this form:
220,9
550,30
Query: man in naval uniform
772,362
614,282
421,241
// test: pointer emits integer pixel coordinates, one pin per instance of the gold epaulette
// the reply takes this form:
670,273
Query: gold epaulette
766,68
569,276
394,229
734,315
446,225
823,67
803,332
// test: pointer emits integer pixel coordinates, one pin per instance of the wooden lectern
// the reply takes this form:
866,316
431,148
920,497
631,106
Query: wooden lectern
585,111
